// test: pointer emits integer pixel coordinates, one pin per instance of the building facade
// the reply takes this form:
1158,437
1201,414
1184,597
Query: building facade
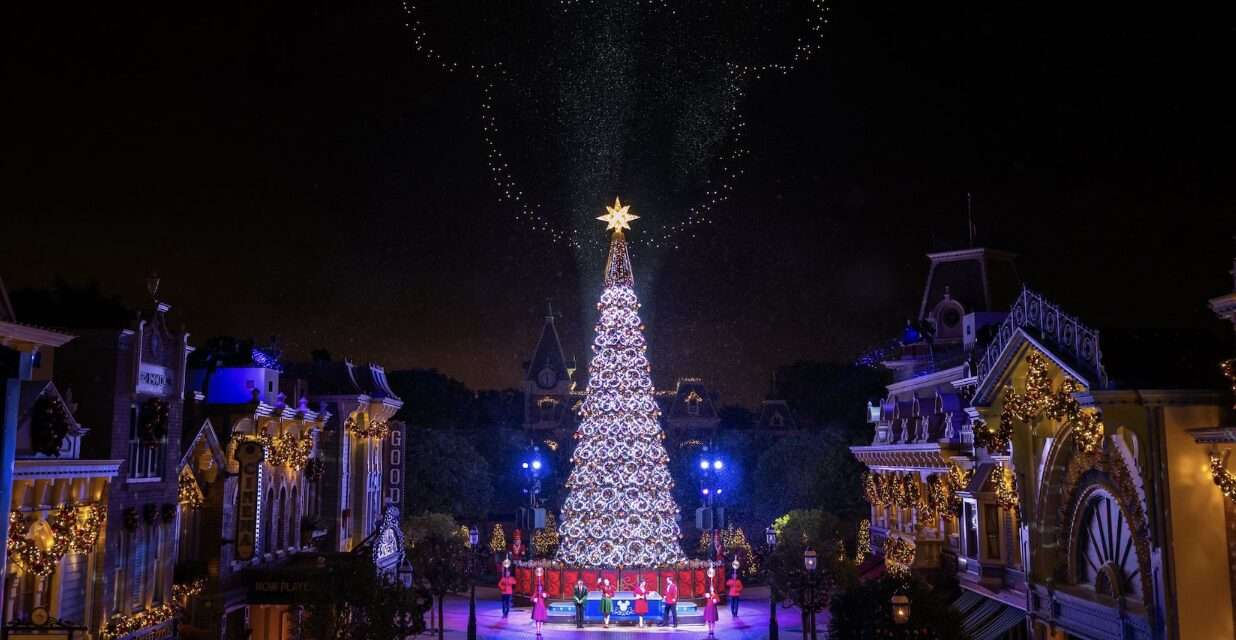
1070,498
54,569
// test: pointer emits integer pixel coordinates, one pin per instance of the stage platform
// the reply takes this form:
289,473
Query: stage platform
624,609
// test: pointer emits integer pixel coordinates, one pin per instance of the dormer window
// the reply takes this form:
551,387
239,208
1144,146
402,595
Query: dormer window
693,401
547,406
776,421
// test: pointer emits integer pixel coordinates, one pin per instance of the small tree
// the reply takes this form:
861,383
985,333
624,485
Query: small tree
545,540
789,579
357,603
497,539
442,563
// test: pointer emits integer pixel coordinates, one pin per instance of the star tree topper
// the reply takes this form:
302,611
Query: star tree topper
618,217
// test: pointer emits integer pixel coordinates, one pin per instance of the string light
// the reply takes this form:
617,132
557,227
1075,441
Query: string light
620,511
862,546
119,624
188,492
182,592
1224,479
720,186
362,426
497,539
545,540
1006,487
1229,370
74,528
898,555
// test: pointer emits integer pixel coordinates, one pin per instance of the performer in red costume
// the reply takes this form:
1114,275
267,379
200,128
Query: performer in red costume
734,584
641,600
539,608
670,603
710,611
506,586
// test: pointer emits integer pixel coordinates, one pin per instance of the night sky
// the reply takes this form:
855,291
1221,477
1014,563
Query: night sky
298,169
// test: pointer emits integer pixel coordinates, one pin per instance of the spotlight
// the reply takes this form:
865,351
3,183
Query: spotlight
716,464
525,465
704,464
705,491
536,464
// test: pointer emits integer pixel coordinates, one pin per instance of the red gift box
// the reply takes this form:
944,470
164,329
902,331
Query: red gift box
523,581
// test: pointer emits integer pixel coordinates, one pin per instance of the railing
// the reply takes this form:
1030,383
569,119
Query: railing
1055,327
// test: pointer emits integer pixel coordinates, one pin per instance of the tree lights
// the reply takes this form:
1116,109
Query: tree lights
862,546
898,555
1006,487
620,511
74,528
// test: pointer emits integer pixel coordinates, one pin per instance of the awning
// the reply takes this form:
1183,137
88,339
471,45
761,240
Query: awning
986,619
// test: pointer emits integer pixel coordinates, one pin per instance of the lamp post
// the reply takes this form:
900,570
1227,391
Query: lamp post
473,540
710,468
770,538
809,563
901,609
404,620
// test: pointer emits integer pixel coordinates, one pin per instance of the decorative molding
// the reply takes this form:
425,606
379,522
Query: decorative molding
1054,326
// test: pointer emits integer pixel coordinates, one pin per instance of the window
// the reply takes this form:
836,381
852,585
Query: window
145,459
971,523
991,531
777,421
137,569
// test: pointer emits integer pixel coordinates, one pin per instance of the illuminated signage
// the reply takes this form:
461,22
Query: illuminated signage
153,380
249,512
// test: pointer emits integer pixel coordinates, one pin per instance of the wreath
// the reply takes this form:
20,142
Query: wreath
153,427
50,422
131,519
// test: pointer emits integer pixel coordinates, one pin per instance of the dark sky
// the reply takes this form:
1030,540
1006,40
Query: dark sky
294,168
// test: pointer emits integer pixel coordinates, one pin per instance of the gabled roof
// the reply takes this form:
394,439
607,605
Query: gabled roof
343,378
691,390
205,437
773,412
548,354
31,391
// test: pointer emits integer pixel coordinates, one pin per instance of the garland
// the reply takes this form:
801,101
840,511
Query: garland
863,543
75,528
1038,400
152,429
1229,371
285,449
131,519
121,625
898,556
182,592
189,493
363,427
1006,487
958,480
315,469
1224,479
870,490
50,425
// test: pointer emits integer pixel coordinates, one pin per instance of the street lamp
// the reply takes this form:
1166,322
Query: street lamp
901,609
474,537
809,563
770,537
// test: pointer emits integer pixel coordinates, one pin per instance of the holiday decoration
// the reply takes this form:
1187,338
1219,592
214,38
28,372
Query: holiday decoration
75,529
497,539
620,511
182,592
1224,479
152,428
870,490
898,555
862,547
1006,486
189,493
121,625
49,422
545,540
737,546
286,449
1040,400
362,426
1229,371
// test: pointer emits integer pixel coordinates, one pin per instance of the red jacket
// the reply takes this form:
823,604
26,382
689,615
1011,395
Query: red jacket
506,585
671,594
735,586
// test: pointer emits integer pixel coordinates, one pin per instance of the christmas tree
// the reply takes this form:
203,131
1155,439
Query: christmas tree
620,511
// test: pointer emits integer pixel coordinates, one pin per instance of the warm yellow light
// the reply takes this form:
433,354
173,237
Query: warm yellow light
619,216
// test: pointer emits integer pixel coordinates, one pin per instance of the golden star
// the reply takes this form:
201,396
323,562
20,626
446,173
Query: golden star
618,216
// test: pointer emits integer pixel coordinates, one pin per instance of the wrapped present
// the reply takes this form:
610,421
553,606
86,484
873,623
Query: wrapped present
523,581
685,587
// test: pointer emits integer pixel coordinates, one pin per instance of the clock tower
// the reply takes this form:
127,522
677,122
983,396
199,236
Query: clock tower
548,385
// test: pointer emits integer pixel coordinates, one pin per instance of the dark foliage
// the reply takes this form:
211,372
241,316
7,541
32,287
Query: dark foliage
445,473
71,306
808,471
357,603
831,396
864,611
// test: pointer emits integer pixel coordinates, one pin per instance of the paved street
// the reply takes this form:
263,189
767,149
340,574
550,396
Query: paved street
751,624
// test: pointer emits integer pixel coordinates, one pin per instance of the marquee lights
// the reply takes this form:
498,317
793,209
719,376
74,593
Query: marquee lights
620,511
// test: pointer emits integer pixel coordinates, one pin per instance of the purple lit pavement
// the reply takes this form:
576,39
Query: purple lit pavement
751,624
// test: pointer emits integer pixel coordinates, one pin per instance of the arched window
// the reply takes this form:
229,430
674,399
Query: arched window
294,521
282,525
1106,554
267,542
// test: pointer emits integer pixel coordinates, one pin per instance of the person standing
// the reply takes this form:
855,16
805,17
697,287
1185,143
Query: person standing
506,586
607,601
539,609
670,603
734,584
581,598
641,600
710,611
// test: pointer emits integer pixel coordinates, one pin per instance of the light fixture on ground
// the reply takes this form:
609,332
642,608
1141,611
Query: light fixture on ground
901,609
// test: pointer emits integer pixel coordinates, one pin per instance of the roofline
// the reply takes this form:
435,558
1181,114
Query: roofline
1017,342
936,377
973,252
17,332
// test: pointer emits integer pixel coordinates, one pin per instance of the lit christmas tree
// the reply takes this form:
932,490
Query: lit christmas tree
620,511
